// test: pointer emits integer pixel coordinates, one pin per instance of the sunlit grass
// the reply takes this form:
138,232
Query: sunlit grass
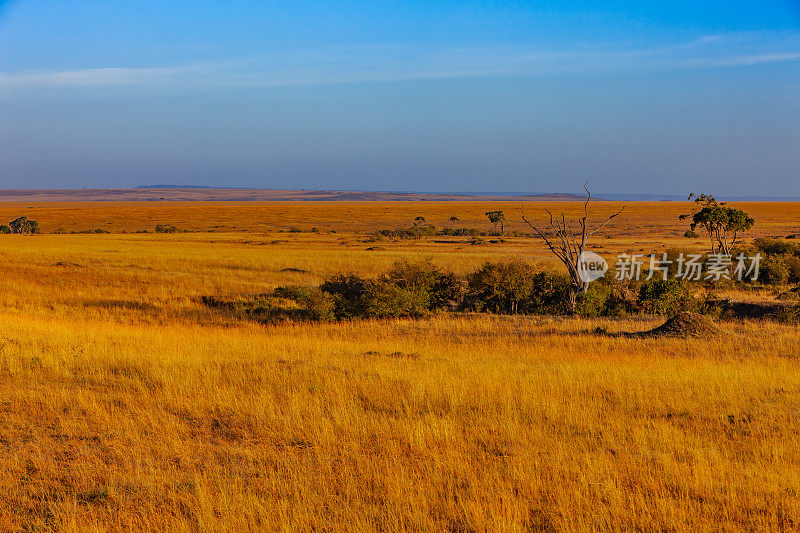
125,404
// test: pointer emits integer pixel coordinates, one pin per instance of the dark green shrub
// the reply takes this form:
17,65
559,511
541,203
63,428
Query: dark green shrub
460,232
351,295
23,225
609,297
793,264
407,289
548,293
166,228
666,297
390,301
623,298
428,230
771,247
447,292
421,276
514,287
500,287
4,229
774,270
593,302
432,286
315,304
691,234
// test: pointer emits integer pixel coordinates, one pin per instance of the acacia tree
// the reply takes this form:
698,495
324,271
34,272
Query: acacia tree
497,217
567,240
724,224
23,225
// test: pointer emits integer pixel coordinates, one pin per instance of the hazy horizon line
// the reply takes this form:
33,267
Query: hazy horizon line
609,196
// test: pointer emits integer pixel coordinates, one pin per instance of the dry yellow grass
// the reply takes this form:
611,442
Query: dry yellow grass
647,220
126,405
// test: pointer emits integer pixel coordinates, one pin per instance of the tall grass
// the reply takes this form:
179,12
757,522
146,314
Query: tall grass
453,423
125,405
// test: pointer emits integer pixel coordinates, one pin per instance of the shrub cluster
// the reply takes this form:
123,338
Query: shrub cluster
166,228
428,230
781,262
515,287
407,289
21,225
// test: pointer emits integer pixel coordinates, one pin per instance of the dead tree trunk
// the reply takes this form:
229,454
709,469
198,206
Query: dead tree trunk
568,245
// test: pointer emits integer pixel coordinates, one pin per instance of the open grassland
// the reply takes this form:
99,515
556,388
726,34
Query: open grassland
450,424
642,219
125,404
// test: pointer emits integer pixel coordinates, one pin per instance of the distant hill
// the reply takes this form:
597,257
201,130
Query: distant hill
167,186
189,193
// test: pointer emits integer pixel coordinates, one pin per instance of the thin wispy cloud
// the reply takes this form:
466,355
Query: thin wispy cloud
756,59
398,63
93,77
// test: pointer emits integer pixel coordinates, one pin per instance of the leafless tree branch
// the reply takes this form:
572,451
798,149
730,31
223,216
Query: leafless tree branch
568,245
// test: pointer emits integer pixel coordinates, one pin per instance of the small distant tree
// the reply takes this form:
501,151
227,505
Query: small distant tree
23,225
419,221
722,223
497,217
166,228
454,220
567,241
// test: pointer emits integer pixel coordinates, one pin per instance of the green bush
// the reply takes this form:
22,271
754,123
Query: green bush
548,293
770,247
4,229
430,285
460,232
166,228
500,287
609,297
315,304
407,289
23,225
447,292
420,277
593,302
391,301
774,270
351,295
666,297
514,287
623,298
793,264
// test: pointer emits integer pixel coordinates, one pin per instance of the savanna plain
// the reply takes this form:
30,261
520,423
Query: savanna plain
127,404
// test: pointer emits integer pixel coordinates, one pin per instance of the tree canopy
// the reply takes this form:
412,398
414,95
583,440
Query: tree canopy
724,224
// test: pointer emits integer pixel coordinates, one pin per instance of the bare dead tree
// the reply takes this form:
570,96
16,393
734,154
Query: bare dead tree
567,241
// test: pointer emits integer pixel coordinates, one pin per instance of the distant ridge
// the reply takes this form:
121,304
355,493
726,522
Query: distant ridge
204,193
167,186
683,198
190,193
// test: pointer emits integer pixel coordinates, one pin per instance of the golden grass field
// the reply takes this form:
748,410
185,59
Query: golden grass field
127,405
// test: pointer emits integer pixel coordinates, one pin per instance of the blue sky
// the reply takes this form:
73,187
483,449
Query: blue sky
640,97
